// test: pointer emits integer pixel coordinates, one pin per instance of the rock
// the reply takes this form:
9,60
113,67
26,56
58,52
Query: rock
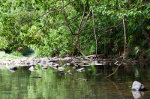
68,64
37,77
61,69
137,86
99,74
89,69
96,63
49,63
55,65
119,60
32,68
81,70
44,68
69,72
81,79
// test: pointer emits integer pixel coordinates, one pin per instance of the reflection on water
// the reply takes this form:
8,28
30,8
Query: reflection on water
137,94
24,84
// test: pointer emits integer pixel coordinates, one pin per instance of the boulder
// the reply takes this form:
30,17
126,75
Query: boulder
137,86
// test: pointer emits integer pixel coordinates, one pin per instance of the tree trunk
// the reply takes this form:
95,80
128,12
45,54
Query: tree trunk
125,39
94,32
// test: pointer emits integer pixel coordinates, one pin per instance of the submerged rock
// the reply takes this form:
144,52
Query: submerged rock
81,70
137,86
32,68
98,74
81,79
37,77
44,68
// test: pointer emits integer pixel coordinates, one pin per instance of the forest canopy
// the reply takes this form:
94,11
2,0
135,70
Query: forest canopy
78,27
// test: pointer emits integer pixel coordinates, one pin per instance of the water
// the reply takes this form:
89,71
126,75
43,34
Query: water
85,85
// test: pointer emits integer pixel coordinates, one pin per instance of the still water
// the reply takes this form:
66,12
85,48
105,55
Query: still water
23,84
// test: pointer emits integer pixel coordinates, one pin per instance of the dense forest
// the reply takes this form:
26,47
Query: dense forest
76,27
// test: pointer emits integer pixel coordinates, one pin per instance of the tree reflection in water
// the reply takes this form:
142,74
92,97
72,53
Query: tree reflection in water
50,85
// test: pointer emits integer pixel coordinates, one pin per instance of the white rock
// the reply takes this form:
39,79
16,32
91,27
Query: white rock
81,70
32,68
68,64
69,72
61,69
137,86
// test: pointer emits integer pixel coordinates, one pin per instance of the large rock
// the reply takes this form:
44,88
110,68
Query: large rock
137,86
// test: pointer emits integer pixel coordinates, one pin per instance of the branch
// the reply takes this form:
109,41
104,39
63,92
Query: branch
67,23
78,43
85,21
74,19
118,65
81,18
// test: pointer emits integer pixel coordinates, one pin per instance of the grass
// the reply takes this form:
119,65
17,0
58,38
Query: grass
13,55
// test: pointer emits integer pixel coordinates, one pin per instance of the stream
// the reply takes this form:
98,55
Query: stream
89,84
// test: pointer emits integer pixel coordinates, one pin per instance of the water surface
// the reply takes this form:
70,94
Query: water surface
84,85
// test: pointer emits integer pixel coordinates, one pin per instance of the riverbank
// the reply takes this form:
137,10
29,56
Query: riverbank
10,60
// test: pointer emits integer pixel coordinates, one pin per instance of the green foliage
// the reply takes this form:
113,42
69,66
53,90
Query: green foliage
16,53
93,69
42,25
137,50
13,55
148,53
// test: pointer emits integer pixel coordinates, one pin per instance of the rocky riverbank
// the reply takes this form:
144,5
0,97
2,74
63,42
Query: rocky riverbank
59,63
31,61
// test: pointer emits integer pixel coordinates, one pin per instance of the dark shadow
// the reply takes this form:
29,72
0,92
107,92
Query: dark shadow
27,51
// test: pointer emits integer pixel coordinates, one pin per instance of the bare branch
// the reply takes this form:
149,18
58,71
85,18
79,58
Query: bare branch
74,19
85,21
81,18
78,43
67,23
